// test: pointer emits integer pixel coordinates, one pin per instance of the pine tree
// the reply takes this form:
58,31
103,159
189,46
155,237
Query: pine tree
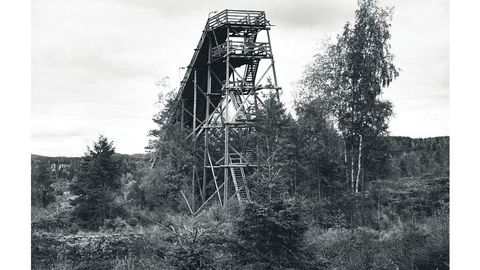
276,130
42,190
97,181
270,231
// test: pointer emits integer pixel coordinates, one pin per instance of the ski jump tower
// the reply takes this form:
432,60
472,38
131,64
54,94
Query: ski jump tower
231,70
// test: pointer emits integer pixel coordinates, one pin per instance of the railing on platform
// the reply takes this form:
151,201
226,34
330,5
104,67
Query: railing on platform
260,49
238,17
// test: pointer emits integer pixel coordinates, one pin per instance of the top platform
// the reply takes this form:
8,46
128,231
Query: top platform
242,18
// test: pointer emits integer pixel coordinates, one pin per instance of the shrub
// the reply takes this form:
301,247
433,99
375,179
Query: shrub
197,244
410,246
437,247
140,262
270,236
327,215
154,241
116,224
52,220
80,249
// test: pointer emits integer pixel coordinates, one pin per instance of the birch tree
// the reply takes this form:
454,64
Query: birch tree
349,76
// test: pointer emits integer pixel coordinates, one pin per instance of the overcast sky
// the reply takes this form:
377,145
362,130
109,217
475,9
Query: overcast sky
95,63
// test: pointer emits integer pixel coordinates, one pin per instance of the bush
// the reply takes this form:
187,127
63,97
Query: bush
140,262
48,249
270,236
116,224
198,244
52,221
421,246
327,215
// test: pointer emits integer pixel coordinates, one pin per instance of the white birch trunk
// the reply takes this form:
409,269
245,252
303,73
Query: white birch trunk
346,160
352,175
359,162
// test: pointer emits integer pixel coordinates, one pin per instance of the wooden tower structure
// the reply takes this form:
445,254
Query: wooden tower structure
218,101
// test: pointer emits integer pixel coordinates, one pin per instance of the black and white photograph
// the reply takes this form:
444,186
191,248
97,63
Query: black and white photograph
238,135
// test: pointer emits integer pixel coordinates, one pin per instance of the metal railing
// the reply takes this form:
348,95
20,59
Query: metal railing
238,17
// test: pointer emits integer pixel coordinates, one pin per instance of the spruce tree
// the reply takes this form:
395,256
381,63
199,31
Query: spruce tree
270,230
95,186
42,190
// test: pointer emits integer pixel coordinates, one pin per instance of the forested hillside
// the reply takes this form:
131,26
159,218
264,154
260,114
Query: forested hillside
416,157
404,157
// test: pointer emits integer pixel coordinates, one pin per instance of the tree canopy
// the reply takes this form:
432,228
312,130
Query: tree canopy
98,179
348,78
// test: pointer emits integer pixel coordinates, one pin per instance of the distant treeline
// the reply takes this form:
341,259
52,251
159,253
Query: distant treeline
407,157
418,156
66,167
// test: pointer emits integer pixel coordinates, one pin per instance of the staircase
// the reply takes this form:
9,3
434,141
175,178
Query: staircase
238,177
251,72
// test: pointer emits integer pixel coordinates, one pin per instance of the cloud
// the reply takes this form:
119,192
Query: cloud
287,13
95,62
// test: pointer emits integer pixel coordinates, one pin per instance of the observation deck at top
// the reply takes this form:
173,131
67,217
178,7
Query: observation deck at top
239,18
231,33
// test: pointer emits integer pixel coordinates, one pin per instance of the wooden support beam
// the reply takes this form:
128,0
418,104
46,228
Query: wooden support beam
193,187
207,116
185,198
202,194
194,122
193,117
183,114
263,75
238,74
227,95
215,75
214,178
243,103
194,127
205,203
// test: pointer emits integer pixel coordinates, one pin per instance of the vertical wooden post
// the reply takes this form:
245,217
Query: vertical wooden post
194,123
227,103
194,126
206,130
257,154
193,187
273,67
183,113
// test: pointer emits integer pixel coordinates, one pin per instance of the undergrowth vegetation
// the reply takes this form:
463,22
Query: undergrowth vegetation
261,237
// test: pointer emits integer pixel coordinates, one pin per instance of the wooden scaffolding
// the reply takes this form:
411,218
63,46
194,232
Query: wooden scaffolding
218,101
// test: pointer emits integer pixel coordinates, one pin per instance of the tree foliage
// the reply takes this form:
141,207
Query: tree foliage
270,230
172,160
348,78
321,168
96,185
41,183
275,134
271,235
